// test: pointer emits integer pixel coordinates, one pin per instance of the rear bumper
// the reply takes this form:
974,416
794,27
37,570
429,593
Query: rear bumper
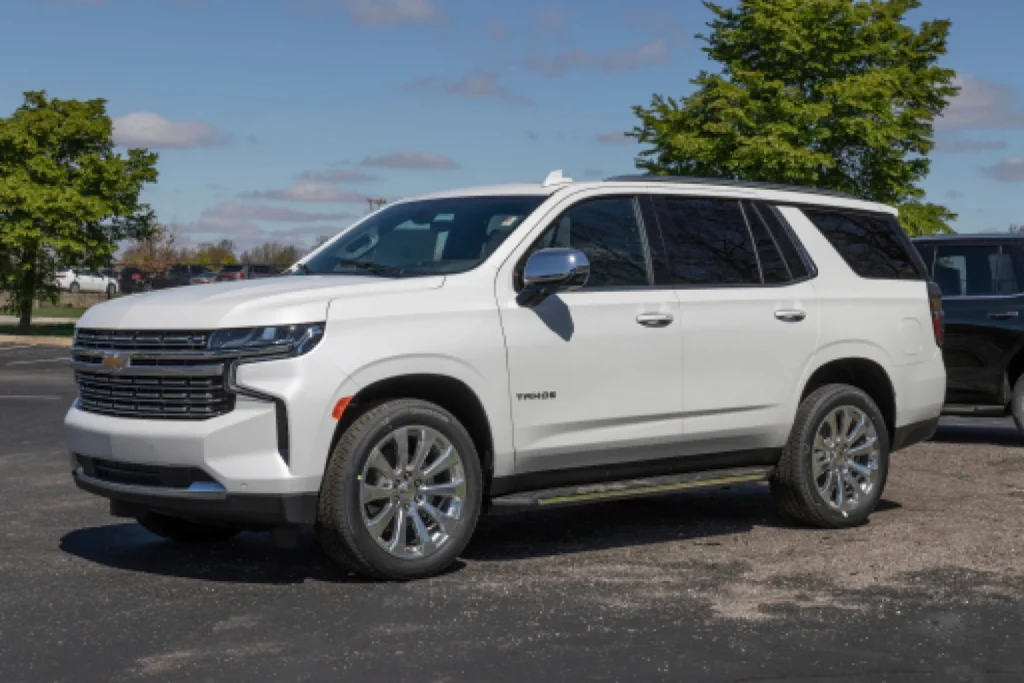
202,502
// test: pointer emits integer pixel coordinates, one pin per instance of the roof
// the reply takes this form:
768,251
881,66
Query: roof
755,185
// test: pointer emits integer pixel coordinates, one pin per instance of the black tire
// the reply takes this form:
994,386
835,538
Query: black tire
793,484
185,531
111,290
340,528
73,288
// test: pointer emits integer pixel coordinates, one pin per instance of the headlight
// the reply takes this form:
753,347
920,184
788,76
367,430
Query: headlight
291,340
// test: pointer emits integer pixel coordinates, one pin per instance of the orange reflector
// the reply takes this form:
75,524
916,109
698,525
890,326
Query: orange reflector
340,406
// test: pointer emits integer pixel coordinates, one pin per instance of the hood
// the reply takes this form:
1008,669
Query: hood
251,303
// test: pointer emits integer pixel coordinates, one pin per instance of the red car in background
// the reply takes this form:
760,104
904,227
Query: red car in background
246,271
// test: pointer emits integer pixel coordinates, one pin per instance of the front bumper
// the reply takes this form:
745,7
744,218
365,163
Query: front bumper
202,503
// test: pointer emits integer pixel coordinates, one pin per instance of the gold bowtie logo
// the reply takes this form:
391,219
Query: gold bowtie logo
113,362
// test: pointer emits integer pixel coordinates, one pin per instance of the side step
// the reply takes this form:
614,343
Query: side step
629,488
965,410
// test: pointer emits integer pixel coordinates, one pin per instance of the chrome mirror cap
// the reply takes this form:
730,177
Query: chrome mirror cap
562,269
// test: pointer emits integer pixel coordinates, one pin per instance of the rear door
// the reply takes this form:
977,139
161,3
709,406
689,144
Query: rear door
748,319
981,296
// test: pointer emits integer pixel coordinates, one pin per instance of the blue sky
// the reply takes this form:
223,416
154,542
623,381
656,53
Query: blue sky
274,119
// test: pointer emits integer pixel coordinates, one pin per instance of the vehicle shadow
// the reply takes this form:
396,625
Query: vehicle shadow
981,434
252,558
630,523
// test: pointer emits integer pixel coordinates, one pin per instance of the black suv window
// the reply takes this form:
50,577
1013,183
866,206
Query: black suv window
707,242
873,245
975,270
609,232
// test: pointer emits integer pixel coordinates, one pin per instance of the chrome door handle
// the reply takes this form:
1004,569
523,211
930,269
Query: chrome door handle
1004,315
790,316
654,319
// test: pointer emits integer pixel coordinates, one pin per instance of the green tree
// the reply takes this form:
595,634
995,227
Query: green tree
273,253
66,197
211,255
836,94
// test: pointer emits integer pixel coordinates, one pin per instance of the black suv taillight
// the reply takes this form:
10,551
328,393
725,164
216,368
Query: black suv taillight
938,316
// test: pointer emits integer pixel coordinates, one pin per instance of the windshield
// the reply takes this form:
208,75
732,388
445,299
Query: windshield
428,237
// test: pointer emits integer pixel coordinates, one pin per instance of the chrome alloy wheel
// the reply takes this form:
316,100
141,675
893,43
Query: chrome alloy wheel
844,459
412,492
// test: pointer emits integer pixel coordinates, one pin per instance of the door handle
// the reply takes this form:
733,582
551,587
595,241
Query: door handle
654,319
790,316
1004,315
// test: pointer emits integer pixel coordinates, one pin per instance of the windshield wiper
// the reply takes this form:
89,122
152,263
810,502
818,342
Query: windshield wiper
373,268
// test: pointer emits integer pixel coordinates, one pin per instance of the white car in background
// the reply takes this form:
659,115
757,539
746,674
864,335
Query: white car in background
76,280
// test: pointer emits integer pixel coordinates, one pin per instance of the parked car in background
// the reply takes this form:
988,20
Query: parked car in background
133,280
519,347
204,278
76,280
179,275
982,283
246,271
109,272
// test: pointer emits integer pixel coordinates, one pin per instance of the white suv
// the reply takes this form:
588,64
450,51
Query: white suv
519,346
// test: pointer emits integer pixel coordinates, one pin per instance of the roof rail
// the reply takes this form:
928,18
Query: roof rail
728,183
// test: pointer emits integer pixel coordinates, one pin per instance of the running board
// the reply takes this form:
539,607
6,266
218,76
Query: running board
629,488
973,410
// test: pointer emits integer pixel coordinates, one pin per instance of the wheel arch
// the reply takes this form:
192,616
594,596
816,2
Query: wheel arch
864,373
452,394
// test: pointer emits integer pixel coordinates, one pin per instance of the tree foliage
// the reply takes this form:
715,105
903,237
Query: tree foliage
154,253
837,94
213,256
66,197
273,253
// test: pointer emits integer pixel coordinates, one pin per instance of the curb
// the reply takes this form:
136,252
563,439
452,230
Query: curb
37,341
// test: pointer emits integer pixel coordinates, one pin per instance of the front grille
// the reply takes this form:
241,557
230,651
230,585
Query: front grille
142,475
145,340
155,397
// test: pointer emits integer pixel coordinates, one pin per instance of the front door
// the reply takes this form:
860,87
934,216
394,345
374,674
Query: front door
596,374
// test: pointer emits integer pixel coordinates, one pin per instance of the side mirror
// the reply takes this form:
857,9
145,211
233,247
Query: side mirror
553,270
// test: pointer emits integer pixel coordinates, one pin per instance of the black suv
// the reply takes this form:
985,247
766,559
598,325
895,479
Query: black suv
981,278
178,276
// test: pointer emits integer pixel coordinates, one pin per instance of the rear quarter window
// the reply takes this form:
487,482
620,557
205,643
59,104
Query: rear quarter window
873,245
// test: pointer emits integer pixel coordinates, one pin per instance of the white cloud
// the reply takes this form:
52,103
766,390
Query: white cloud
1009,170
967,146
982,105
234,211
309,191
411,160
242,223
615,138
390,12
549,19
476,84
146,129
615,60
339,175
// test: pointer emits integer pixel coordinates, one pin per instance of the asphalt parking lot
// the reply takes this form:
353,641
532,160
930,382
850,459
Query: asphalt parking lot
700,586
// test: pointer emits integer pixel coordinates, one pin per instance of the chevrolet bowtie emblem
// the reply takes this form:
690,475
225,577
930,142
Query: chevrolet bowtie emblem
113,362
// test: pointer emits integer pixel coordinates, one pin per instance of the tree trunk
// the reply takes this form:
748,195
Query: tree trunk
28,292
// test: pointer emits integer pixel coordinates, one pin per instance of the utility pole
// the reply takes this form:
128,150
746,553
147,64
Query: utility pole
375,203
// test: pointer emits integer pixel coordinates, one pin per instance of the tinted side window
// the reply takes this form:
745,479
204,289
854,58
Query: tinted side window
609,232
707,242
773,266
796,258
979,270
927,252
872,245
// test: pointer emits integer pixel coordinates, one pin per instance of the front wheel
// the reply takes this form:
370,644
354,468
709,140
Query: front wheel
111,290
183,530
402,492
74,288
834,466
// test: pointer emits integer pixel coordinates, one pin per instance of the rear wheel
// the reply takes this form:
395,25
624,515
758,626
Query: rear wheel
183,530
834,467
111,290
402,492
74,288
